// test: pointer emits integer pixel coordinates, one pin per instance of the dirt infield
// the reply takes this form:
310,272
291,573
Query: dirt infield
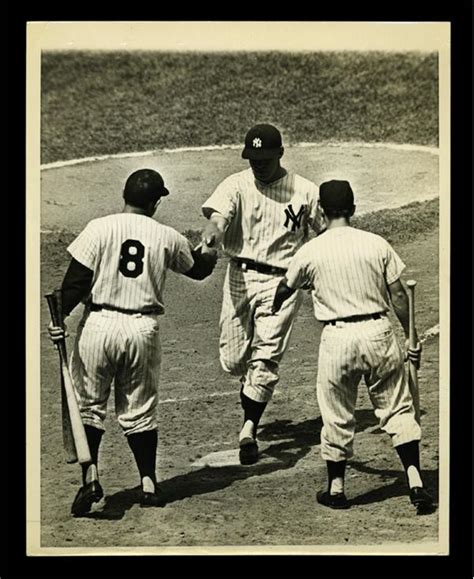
72,195
271,503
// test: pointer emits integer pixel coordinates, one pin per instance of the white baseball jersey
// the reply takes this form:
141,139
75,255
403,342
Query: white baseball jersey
267,222
349,270
129,254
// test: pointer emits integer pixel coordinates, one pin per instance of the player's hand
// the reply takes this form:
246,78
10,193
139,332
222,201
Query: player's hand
211,235
208,250
320,223
56,333
209,255
413,354
307,286
206,253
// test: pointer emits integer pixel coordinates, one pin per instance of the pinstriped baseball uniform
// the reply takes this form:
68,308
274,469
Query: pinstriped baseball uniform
349,270
129,255
267,224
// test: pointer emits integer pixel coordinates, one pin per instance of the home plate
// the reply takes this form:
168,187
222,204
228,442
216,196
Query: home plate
226,458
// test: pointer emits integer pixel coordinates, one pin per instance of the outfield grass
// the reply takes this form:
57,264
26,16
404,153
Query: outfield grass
105,103
402,224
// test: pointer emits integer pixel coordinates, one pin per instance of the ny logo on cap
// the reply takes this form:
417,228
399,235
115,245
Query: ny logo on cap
295,219
257,143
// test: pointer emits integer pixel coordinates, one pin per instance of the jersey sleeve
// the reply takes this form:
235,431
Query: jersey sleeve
297,274
224,199
181,259
394,266
85,248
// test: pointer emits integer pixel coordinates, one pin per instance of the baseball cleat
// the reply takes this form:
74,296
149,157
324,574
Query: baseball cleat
421,500
336,501
86,496
248,453
155,499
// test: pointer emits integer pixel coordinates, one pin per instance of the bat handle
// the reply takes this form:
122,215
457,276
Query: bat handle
411,313
54,304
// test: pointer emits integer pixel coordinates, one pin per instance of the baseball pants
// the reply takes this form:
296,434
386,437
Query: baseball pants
348,352
252,340
125,347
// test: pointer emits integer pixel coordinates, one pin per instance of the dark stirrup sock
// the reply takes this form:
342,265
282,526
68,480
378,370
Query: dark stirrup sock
252,410
94,436
409,454
144,445
336,470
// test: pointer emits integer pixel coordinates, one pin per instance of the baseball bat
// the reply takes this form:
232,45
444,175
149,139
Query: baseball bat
412,370
74,435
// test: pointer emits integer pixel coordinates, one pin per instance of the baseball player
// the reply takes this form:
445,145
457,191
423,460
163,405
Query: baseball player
355,275
118,269
261,215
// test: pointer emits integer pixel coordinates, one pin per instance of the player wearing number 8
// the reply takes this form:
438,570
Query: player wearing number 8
118,269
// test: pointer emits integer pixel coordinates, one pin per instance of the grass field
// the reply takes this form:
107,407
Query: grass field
95,103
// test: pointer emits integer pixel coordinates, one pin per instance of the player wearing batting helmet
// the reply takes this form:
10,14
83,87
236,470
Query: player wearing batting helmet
118,267
355,275
261,215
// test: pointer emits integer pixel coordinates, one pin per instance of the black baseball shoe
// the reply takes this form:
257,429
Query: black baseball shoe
421,500
156,499
86,496
248,453
335,501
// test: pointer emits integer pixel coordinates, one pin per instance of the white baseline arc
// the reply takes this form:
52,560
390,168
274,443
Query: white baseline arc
393,146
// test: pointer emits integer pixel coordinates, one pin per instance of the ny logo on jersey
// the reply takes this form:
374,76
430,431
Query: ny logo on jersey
295,219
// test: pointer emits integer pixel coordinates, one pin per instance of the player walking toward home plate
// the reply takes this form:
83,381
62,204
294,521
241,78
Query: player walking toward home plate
118,269
261,215
354,276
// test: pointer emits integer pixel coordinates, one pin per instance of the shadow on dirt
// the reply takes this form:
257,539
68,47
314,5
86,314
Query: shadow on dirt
290,443
299,438
397,488
116,505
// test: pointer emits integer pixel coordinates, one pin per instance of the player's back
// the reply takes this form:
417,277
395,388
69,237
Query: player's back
350,269
130,253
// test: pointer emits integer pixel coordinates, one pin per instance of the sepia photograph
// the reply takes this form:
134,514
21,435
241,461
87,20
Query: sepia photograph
238,249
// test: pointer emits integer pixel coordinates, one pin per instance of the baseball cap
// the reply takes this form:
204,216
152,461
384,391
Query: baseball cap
262,142
144,186
336,195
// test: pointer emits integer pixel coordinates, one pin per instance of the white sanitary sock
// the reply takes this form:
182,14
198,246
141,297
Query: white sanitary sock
414,478
337,485
247,430
91,473
148,485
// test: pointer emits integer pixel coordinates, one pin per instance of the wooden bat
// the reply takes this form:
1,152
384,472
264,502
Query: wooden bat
74,435
412,370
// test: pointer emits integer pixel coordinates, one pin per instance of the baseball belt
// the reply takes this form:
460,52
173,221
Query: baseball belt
98,307
361,318
244,264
